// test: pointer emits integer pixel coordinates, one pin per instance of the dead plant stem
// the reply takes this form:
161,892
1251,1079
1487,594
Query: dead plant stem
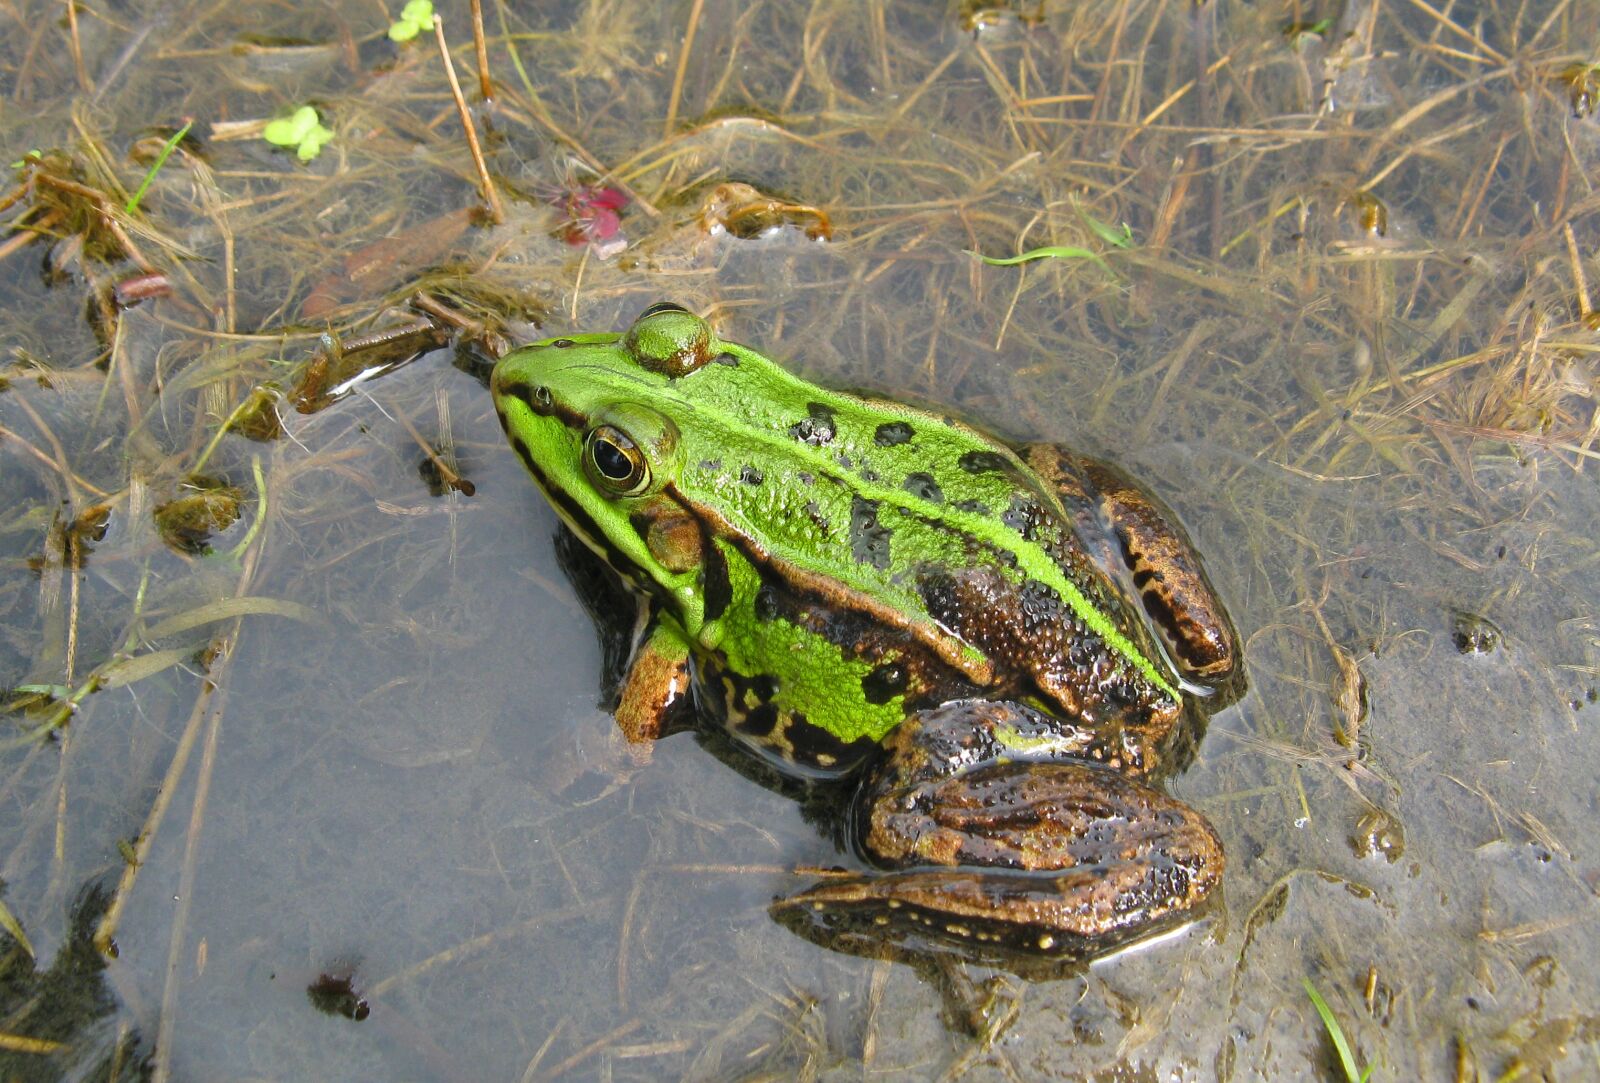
497,213
481,47
683,68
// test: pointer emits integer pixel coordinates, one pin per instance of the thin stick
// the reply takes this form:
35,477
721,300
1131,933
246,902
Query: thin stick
77,49
180,920
446,474
482,48
27,234
106,931
683,67
496,213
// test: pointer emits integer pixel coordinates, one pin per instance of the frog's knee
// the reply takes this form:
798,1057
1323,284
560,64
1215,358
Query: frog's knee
1168,575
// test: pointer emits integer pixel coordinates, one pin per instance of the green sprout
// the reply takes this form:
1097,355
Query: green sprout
1299,34
1115,236
32,156
1341,1045
415,17
1053,251
303,131
155,167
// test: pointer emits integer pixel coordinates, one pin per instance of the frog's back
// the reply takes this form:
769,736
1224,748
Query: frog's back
923,551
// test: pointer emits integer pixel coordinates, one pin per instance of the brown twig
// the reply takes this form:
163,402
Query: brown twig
497,213
683,67
482,49
27,234
77,49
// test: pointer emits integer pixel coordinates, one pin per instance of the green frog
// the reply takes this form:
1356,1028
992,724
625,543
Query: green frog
996,643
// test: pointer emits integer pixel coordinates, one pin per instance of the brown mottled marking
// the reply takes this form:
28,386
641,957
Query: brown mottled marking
986,827
1166,571
1172,584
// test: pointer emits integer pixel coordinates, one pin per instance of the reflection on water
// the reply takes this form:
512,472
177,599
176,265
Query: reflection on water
327,745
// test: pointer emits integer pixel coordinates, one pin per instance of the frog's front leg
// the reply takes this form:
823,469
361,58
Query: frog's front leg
992,829
655,686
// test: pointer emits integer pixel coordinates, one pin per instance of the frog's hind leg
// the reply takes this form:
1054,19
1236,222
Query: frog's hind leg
992,830
1152,549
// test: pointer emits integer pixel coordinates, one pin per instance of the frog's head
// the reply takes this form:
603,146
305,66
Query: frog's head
592,417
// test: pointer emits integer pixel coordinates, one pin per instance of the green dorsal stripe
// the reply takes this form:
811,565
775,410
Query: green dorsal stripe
1031,559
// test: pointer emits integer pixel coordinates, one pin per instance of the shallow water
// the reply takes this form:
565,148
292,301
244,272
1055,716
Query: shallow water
386,791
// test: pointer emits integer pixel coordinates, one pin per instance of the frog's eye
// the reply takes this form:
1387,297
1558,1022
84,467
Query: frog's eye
614,462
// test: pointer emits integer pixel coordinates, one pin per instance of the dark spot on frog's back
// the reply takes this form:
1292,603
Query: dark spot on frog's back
818,520
884,683
869,539
984,462
924,487
817,427
1022,515
768,604
750,476
893,434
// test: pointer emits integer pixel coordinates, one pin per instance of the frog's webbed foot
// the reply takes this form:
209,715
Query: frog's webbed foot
993,835
1153,551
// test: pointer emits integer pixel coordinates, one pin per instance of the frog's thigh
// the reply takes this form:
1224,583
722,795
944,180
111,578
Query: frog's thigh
1165,568
656,683
1051,854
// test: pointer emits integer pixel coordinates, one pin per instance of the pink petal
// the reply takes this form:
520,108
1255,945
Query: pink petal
601,224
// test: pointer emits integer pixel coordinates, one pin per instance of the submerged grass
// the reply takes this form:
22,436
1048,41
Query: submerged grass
1341,1045
1355,346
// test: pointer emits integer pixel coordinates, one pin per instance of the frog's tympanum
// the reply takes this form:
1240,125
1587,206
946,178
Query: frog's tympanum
996,643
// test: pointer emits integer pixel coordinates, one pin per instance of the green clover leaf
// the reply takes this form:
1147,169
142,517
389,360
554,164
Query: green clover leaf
415,17
302,130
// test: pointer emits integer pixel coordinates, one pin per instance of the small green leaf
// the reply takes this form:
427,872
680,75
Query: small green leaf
1300,33
311,145
303,131
54,691
1116,238
301,124
233,607
415,17
128,670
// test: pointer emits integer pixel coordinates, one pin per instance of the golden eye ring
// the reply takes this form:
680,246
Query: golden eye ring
614,462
